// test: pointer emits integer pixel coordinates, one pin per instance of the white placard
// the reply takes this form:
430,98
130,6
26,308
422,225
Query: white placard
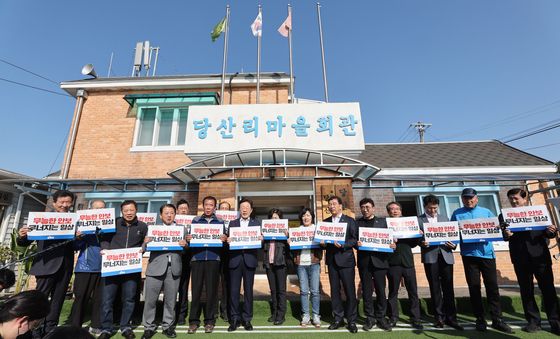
51,225
243,238
274,229
90,220
217,129
301,238
375,239
165,237
206,235
121,261
148,218
183,219
329,232
227,216
439,233
404,227
527,218
480,230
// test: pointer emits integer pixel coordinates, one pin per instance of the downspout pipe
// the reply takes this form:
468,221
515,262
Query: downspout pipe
82,96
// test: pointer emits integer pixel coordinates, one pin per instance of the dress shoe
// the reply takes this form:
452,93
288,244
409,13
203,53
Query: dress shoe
454,324
480,325
208,328
128,334
170,333
247,326
531,328
384,325
438,324
501,326
352,328
368,325
279,321
192,329
417,325
148,334
393,322
233,326
270,319
104,335
336,325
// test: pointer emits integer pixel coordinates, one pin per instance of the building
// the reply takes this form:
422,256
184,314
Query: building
160,139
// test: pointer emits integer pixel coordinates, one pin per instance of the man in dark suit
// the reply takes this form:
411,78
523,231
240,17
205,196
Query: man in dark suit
242,265
438,263
531,258
373,270
401,265
52,269
342,268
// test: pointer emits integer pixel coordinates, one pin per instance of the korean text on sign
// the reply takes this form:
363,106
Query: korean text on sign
438,233
302,238
206,235
148,218
527,218
329,232
375,239
89,221
243,238
121,261
480,230
165,238
51,225
274,229
405,227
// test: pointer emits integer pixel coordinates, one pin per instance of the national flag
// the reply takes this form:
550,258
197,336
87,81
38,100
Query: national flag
286,26
256,26
218,29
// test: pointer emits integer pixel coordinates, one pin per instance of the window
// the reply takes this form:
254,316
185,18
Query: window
161,127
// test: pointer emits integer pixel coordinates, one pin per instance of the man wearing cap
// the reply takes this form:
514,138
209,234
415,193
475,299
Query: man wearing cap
479,258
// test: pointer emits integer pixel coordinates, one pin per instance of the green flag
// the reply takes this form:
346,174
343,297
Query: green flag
218,29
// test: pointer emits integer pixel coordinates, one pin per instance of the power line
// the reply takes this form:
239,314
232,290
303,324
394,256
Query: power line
406,131
34,87
28,71
533,133
530,129
542,146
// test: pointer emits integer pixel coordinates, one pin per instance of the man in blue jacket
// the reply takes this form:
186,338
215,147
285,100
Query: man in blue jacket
87,279
480,259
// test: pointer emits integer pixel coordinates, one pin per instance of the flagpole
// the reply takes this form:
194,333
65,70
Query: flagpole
322,53
224,63
259,60
291,64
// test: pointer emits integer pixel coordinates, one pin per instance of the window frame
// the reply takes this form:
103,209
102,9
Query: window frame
155,135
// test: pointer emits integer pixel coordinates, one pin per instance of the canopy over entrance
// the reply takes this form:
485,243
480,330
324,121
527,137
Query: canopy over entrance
271,159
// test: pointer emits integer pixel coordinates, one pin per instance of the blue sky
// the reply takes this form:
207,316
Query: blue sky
475,69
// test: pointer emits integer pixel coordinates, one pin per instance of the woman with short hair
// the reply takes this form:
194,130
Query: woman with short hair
22,313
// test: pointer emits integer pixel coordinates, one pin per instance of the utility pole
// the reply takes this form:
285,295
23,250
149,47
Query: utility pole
421,127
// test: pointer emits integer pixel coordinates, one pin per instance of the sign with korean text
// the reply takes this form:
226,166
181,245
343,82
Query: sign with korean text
274,229
121,261
183,219
89,221
329,232
227,216
527,218
480,230
230,128
165,237
438,233
148,218
301,238
206,235
375,239
51,225
404,227
243,238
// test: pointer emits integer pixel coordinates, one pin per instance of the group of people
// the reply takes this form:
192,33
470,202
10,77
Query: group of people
206,268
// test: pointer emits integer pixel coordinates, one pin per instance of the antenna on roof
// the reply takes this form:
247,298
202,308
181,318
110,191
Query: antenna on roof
143,58
421,127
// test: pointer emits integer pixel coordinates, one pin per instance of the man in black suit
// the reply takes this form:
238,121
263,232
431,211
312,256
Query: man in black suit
531,258
401,265
373,270
52,269
242,265
438,263
342,268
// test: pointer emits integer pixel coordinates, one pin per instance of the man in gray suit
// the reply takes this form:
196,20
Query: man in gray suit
163,271
438,264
